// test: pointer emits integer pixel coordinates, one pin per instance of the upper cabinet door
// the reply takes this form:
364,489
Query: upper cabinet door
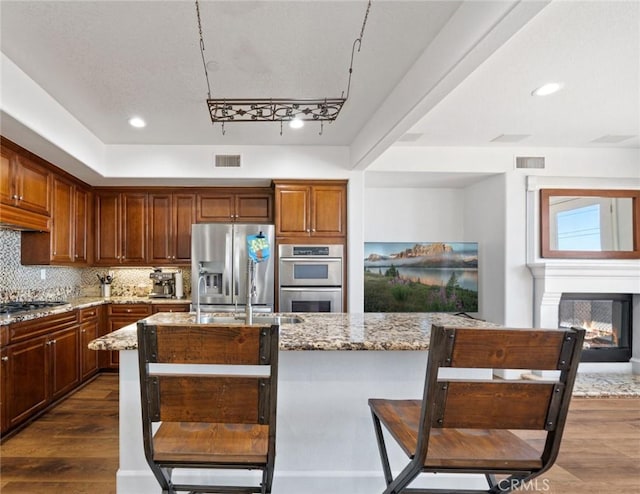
160,228
254,208
62,227
7,175
82,225
292,210
184,215
32,186
133,228
329,210
107,237
215,207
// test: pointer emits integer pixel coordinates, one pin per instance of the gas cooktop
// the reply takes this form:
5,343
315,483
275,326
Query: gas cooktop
13,308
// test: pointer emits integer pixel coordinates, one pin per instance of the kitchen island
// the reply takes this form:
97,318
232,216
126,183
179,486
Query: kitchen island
330,364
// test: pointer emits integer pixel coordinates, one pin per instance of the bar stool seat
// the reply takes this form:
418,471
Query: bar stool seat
211,443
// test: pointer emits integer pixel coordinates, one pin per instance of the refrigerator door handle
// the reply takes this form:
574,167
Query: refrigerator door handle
228,263
236,264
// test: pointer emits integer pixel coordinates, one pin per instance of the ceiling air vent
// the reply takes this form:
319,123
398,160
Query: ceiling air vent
529,161
227,161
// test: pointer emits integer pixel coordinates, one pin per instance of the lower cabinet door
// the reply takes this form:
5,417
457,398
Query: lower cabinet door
88,358
27,379
65,369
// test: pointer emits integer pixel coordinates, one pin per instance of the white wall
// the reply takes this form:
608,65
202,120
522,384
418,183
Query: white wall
195,164
413,215
403,215
484,222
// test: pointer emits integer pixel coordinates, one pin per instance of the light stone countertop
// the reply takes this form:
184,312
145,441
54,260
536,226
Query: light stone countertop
325,331
84,302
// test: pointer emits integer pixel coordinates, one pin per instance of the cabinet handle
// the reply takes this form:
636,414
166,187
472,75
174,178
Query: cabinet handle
5,359
21,198
128,310
83,331
14,196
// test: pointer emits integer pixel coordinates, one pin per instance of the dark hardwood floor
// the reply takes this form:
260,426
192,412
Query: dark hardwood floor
73,449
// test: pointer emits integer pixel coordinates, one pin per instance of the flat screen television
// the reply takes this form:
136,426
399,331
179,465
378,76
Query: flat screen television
421,277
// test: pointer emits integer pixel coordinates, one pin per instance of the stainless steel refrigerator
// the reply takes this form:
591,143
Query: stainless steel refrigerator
219,263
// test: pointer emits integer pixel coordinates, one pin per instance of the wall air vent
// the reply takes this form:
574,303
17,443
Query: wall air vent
227,161
529,161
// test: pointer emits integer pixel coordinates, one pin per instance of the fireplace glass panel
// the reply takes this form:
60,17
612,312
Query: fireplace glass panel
607,321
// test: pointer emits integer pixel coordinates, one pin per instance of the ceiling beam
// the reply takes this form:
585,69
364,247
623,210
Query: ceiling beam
472,35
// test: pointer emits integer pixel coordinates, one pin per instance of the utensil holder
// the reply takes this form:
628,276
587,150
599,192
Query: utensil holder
106,290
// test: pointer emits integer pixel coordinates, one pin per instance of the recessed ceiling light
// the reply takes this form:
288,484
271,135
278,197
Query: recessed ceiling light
137,122
296,123
547,89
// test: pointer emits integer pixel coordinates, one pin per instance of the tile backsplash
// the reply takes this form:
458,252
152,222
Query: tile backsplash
19,283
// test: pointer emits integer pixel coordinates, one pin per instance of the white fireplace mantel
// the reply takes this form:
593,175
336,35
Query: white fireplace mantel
588,276
552,278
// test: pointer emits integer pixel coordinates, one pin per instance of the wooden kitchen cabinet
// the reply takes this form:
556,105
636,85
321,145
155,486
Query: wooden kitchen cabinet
90,319
170,216
62,225
39,365
82,227
311,208
27,378
239,205
24,189
177,307
65,370
66,242
3,391
120,228
119,316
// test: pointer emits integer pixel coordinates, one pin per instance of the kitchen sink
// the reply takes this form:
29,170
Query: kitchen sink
257,319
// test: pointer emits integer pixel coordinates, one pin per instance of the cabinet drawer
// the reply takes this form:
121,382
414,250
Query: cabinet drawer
88,314
21,331
130,309
170,308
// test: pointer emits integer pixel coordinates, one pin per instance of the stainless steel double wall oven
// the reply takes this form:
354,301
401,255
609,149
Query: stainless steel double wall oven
310,278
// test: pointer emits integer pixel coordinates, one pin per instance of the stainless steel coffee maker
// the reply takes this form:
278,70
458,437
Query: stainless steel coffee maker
164,284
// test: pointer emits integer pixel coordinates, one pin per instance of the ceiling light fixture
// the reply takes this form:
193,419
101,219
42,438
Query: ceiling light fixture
547,89
296,123
281,110
137,122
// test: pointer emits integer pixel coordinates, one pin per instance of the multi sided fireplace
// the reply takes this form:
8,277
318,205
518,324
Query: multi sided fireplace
607,320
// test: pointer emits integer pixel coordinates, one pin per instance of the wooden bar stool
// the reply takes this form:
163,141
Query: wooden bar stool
465,425
209,401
